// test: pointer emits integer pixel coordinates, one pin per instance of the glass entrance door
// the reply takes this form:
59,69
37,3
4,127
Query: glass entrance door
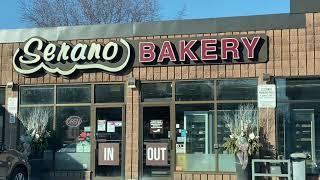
109,156
156,143
303,138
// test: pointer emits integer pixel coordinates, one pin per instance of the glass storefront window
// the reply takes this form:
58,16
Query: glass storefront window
195,90
109,93
239,89
70,122
156,91
36,95
73,130
298,89
24,112
298,119
195,138
298,130
73,94
226,160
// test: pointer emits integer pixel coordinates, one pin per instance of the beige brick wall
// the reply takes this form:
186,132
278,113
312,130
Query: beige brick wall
292,52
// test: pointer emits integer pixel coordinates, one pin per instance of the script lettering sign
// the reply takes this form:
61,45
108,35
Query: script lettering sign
37,54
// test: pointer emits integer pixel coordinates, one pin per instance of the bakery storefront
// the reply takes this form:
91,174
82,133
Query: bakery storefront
146,100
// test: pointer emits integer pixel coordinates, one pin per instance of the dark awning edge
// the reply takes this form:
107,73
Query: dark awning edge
216,25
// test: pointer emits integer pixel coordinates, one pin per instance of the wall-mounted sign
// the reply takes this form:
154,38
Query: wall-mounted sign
73,121
12,108
203,50
267,96
156,154
109,154
156,126
36,54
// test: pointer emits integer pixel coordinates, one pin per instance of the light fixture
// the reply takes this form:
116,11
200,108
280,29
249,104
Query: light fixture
268,78
132,82
10,85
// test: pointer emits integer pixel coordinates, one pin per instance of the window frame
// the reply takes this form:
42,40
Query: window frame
92,105
215,103
290,102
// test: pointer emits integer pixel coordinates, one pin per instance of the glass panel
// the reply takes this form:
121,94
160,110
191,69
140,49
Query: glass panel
36,95
156,91
73,94
238,89
299,131
73,130
156,140
226,160
194,90
109,93
195,138
25,113
2,95
109,130
298,89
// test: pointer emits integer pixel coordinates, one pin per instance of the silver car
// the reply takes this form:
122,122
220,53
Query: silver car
13,165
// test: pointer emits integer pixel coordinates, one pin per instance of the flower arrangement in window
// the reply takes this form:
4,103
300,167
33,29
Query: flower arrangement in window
84,136
35,138
243,140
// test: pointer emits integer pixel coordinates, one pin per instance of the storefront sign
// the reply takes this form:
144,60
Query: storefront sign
157,154
36,54
73,121
109,154
156,126
267,96
208,50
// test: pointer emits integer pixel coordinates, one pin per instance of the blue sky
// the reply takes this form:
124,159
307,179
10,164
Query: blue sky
10,15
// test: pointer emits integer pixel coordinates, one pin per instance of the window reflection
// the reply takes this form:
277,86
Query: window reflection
73,130
195,138
240,89
36,95
195,91
156,91
73,94
108,93
298,129
298,89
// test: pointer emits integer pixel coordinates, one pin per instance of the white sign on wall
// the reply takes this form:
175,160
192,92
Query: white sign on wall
13,105
12,108
267,96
